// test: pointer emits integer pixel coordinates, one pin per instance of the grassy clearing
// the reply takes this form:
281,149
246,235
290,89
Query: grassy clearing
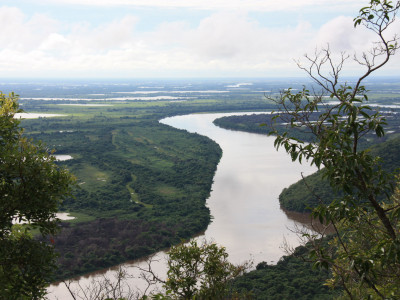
91,177
135,197
385,98
161,164
168,191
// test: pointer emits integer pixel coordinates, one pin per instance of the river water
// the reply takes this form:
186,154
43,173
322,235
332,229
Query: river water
247,218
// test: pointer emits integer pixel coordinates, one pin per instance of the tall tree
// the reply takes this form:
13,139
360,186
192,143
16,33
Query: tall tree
200,271
32,187
364,255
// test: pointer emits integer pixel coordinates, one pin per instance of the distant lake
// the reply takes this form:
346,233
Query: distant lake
36,115
62,157
247,218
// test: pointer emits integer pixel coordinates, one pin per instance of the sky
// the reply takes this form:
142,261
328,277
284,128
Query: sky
176,38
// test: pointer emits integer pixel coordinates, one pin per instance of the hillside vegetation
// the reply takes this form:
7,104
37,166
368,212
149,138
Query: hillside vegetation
291,278
308,193
142,187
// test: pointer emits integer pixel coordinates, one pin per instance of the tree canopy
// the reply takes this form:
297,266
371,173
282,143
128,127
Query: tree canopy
364,255
32,187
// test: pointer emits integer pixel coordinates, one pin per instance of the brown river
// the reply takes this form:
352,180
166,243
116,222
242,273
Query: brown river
247,218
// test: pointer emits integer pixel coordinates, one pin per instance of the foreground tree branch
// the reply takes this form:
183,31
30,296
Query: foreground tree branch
363,218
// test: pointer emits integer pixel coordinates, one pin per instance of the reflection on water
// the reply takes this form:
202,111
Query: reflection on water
309,222
247,218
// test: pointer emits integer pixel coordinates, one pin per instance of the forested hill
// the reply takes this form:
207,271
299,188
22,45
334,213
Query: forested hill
300,196
293,277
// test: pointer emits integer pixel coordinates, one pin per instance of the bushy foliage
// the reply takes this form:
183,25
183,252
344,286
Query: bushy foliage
31,190
199,271
364,256
292,277
301,196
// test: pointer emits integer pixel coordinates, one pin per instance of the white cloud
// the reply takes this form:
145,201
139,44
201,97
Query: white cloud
234,40
106,36
340,35
55,42
20,33
221,44
257,5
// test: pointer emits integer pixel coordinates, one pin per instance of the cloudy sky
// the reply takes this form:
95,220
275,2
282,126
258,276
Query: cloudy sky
174,38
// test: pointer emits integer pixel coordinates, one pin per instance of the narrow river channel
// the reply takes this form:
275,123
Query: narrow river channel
247,218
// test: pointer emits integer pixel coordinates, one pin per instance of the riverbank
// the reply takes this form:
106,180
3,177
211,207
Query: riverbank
247,219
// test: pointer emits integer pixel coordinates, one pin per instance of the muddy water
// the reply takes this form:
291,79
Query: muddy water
247,218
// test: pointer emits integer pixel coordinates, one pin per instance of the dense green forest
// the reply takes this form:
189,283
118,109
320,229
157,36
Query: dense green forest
141,185
293,277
